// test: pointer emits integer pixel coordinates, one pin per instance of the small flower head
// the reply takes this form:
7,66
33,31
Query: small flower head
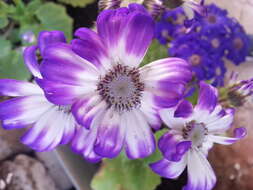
193,130
237,92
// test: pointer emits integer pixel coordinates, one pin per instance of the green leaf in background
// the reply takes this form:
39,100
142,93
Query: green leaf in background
5,47
12,66
54,17
77,3
124,174
3,22
155,51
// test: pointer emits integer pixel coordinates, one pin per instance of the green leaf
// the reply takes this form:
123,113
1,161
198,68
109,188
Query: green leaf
77,3
5,47
156,51
12,66
54,17
124,174
3,22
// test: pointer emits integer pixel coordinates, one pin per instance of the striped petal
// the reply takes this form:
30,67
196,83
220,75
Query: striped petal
139,142
22,111
11,87
169,169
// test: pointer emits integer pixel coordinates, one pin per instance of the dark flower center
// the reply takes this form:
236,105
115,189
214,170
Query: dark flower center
65,109
121,88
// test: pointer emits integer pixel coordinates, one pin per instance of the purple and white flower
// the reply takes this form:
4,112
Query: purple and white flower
48,124
193,132
112,97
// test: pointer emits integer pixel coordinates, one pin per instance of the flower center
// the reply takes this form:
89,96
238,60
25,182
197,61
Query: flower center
65,109
215,43
196,133
121,88
238,43
212,19
195,60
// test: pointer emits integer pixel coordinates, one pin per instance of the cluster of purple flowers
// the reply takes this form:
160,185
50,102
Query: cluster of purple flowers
93,95
210,41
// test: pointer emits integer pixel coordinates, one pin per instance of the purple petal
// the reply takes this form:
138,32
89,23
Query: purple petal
150,111
90,47
11,87
48,131
184,109
126,34
239,133
30,59
173,146
138,34
110,137
166,79
200,174
86,109
83,143
168,169
168,94
61,64
63,94
139,140
207,97
22,111
47,38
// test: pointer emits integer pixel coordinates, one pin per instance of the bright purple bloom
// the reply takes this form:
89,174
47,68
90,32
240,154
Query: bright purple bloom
170,25
193,130
48,124
212,39
206,63
112,97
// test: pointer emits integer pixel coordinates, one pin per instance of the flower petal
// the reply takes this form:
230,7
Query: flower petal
47,132
150,111
111,135
173,146
140,141
83,142
64,94
62,65
167,116
127,34
91,48
169,169
11,87
166,79
239,133
86,109
223,122
184,109
22,111
200,174
30,60
47,38
207,100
